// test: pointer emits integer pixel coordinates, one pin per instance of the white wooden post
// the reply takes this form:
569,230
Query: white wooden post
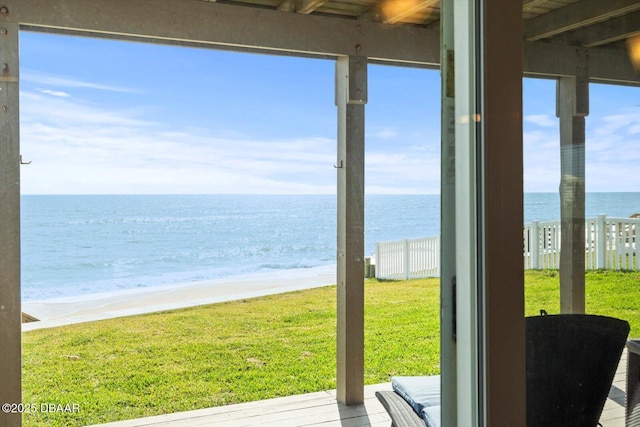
601,241
534,245
617,238
406,259
377,268
636,245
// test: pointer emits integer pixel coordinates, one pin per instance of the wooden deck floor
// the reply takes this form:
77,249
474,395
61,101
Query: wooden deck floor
613,413
313,409
321,410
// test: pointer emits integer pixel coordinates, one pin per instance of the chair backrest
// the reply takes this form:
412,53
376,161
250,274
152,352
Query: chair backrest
571,360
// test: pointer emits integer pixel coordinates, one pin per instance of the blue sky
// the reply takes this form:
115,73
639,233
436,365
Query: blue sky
113,117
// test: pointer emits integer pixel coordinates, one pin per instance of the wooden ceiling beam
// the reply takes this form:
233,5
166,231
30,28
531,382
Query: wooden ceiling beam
300,6
603,65
308,6
576,15
287,6
530,4
610,31
225,26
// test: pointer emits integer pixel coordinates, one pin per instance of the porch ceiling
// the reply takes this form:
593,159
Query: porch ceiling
553,28
586,23
561,37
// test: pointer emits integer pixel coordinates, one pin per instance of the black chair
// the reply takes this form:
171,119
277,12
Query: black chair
571,360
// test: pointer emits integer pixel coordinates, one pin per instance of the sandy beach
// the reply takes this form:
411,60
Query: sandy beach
92,307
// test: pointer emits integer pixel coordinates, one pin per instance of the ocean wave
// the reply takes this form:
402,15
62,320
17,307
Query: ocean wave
291,266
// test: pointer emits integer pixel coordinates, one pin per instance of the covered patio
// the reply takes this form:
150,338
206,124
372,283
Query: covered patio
483,48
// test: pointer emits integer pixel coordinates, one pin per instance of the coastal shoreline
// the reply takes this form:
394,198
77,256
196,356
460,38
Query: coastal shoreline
92,307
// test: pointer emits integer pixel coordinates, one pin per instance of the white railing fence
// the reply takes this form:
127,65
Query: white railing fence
542,245
610,243
408,259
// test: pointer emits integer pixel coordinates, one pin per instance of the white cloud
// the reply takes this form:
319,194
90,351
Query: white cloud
68,112
614,137
615,123
612,155
58,81
543,120
409,171
79,148
386,133
541,160
611,176
55,93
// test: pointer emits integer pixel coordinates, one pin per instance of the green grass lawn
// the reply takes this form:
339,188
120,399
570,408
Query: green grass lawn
608,293
256,349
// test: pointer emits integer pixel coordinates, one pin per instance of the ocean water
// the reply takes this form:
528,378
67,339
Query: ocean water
74,245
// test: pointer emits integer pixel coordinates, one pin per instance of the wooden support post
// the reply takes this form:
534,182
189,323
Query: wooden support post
10,319
351,97
572,107
502,183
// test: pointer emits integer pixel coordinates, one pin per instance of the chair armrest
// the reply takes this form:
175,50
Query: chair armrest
401,413
633,345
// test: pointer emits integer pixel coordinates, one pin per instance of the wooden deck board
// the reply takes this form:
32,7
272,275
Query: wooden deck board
613,412
308,410
321,409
